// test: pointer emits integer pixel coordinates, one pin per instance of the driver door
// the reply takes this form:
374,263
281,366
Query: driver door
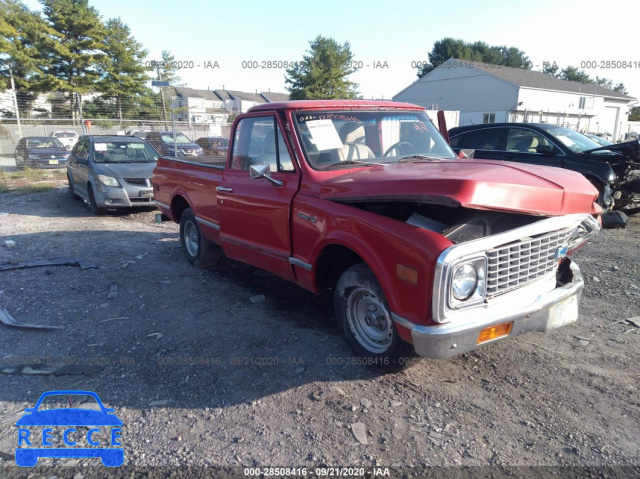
255,213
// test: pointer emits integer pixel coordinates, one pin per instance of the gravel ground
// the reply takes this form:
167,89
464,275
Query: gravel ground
233,367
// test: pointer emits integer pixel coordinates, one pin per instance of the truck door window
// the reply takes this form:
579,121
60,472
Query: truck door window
260,141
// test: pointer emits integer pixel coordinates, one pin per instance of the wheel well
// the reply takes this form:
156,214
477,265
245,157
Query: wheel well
178,205
332,262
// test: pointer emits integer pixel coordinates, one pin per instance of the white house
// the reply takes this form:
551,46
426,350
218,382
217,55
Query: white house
485,93
198,106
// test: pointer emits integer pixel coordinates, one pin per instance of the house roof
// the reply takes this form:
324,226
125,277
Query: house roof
240,95
272,97
539,80
224,95
193,93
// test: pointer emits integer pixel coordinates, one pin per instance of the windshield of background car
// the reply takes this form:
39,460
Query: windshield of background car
335,138
65,134
123,152
44,143
573,140
180,138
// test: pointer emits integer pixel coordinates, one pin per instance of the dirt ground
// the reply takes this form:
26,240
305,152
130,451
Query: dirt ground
205,374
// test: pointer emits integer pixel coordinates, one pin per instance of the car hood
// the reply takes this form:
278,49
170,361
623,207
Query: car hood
69,417
630,149
126,170
477,184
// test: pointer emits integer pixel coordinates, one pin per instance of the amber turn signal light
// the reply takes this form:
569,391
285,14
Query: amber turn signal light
407,274
494,332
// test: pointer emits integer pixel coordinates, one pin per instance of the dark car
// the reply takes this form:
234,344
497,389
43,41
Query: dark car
41,152
214,145
112,171
613,169
173,143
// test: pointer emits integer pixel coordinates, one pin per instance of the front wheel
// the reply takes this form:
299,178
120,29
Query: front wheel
364,317
93,204
200,252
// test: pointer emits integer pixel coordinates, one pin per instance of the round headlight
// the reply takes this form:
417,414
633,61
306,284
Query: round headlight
465,281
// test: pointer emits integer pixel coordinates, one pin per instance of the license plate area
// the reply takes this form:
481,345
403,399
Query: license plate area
565,312
53,162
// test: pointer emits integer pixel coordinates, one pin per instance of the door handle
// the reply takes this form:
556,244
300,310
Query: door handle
224,189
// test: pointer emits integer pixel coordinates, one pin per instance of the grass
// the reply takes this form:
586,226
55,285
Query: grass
28,180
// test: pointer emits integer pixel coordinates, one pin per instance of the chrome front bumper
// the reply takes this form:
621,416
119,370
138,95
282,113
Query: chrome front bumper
548,311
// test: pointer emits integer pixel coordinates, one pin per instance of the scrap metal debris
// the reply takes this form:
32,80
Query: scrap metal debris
7,320
157,336
48,262
9,243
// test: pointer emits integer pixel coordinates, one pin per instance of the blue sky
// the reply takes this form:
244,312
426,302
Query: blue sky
397,33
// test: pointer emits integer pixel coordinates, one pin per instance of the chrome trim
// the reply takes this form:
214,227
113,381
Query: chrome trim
446,340
224,189
162,205
299,262
273,253
440,312
208,223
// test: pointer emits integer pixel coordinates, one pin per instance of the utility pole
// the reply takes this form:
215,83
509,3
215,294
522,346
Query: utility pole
15,103
164,108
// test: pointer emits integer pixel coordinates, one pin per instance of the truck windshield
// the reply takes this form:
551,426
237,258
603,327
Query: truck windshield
333,139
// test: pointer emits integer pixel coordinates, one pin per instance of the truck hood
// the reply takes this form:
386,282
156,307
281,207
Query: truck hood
477,184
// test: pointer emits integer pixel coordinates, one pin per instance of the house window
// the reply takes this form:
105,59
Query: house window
489,118
582,104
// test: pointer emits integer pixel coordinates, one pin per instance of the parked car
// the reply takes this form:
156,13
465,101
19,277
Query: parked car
598,139
169,143
67,138
138,133
214,145
111,172
614,170
424,252
40,152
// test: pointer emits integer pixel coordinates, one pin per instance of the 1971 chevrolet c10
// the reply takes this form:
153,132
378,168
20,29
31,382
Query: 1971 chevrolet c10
426,252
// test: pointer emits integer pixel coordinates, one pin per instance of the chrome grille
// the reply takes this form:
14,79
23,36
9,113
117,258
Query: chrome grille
138,181
515,264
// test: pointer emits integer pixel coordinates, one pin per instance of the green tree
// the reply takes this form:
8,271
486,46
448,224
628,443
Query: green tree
634,115
449,47
322,74
77,53
123,73
23,36
573,74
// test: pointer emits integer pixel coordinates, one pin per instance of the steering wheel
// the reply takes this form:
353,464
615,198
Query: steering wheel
398,147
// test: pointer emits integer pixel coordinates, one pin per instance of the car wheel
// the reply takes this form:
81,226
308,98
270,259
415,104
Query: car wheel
72,191
603,201
93,206
200,252
364,317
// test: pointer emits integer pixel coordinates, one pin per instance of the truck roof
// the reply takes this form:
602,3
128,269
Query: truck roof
334,104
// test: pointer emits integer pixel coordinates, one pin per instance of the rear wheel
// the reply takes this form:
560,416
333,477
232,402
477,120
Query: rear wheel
365,319
71,191
199,251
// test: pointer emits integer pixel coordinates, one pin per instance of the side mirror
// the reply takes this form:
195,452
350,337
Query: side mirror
82,161
546,150
262,171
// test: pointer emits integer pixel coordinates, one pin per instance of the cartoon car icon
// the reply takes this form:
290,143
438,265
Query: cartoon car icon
69,418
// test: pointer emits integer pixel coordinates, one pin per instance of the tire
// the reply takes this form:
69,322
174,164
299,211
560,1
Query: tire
93,206
600,187
199,251
364,318
71,191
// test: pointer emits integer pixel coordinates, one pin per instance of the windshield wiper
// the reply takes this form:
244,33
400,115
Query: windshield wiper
417,157
353,162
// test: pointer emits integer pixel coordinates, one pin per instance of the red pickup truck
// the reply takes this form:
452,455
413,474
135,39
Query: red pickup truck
425,252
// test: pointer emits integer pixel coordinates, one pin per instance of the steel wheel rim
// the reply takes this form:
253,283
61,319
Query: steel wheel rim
191,238
369,321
